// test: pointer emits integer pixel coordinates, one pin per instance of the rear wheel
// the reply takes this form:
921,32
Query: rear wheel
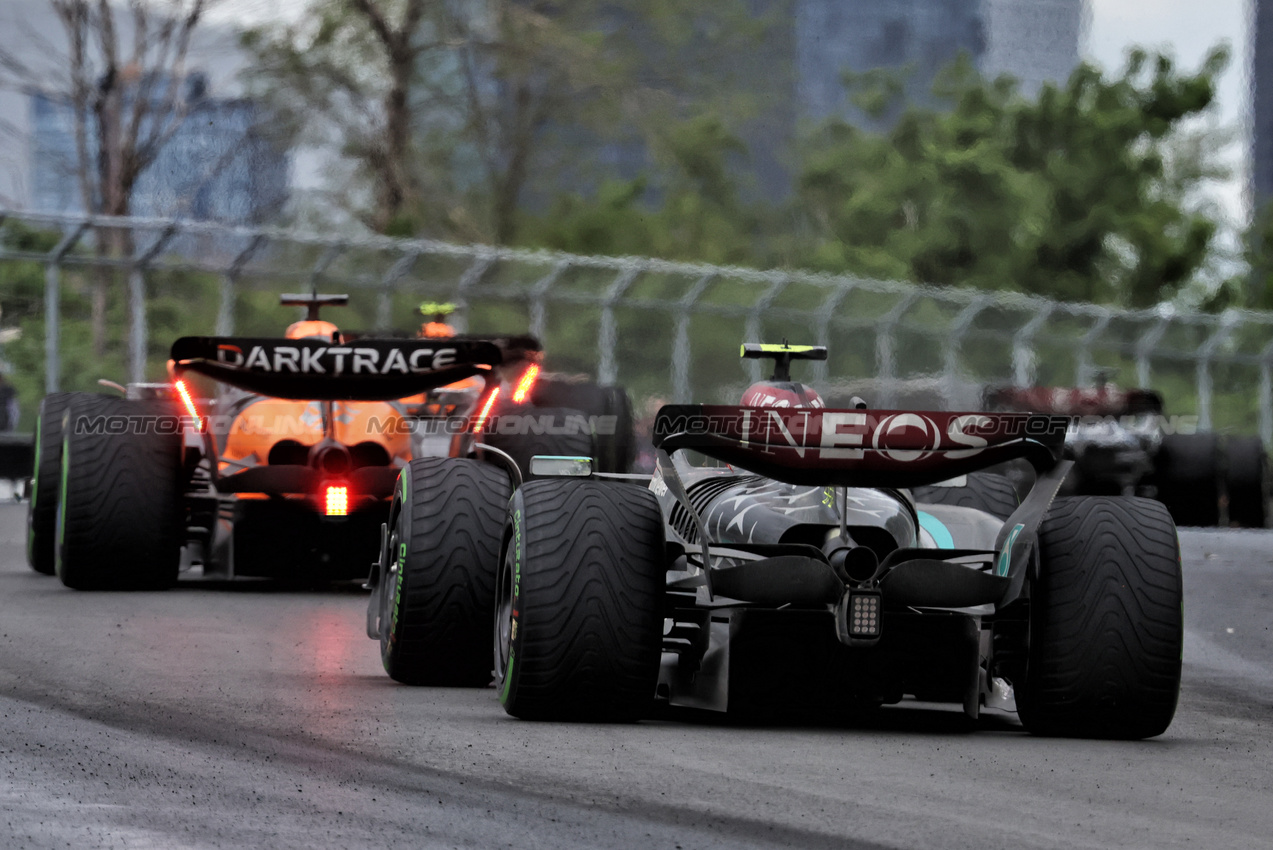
120,511
1106,625
46,480
608,408
542,431
580,602
985,491
1247,482
1187,477
616,431
439,593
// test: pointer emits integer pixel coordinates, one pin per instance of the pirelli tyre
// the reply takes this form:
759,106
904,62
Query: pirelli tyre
542,431
580,602
120,513
46,479
615,431
985,491
438,591
609,407
1187,477
1247,482
1106,626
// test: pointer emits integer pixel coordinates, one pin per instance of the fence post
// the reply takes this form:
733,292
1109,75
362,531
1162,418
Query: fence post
1083,367
954,340
472,277
539,297
752,328
1205,354
396,272
885,359
139,331
1023,356
53,307
1266,395
823,336
608,338
681,353
229,283
1148,341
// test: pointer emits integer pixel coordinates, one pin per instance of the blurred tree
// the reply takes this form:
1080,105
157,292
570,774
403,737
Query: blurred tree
457,116
699,215
1084,194
126,87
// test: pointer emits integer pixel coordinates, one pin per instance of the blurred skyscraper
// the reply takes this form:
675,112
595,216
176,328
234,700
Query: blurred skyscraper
1262,105
216,166
1036,41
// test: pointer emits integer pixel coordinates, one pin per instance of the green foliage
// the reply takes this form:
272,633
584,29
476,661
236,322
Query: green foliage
694,212
178,303
1079,195
1088,193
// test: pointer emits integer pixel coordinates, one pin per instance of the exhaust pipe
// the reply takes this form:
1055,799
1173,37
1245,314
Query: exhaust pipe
857,565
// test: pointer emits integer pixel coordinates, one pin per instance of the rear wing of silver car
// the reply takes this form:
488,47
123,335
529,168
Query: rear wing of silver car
859,448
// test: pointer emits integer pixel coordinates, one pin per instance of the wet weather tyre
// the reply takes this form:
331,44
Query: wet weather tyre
1247,482
120,513
574,439
1187,477
609,407
985,491
46,482
437,619
1106,623
580,602
616,432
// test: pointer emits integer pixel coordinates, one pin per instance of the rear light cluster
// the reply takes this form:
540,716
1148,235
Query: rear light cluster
336,500
184,392
485,412
864,615
859,617
526,384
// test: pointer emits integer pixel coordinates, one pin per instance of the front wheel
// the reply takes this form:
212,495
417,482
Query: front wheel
438,591
580,602
1106,626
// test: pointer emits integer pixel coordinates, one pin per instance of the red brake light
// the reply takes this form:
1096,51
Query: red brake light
336,502
480,422
184,392
525,385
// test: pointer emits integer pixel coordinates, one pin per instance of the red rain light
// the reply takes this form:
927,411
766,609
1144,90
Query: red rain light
337,500
525,385
187,400
480,422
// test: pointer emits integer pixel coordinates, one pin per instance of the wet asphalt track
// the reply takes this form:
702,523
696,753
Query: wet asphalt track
256,717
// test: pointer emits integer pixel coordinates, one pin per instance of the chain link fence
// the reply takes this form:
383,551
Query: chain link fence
667,331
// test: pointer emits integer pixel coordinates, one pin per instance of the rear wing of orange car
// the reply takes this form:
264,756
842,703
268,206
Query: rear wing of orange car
311,369
859,448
